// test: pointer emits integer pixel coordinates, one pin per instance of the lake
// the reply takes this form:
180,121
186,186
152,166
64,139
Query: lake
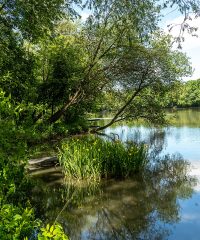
161,203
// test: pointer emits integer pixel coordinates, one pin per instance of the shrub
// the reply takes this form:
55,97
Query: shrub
54,232
16,222
17,219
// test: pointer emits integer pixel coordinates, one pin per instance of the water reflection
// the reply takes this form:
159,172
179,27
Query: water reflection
182,135
144,207
179,118
184,140
186,117
156,139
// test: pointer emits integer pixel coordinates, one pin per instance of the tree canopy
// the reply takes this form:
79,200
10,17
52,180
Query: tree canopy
59,67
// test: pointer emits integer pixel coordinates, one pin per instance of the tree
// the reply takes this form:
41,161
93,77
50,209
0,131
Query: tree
23,23
190,94
142,78
189,9
113,30
31,19
102,35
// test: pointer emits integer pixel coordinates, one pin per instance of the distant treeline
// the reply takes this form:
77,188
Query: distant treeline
183,95
187,94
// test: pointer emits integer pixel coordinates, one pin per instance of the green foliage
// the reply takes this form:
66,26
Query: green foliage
62,70
59,69
12,154
16,222
189,94
31,18
95,158
142,78
54,232
186,94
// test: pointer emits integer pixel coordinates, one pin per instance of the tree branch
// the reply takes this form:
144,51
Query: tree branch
121,110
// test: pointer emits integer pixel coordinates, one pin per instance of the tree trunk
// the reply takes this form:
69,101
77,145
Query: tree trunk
121,110
72,100
59,113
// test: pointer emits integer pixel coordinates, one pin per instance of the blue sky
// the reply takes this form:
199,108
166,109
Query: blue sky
191,45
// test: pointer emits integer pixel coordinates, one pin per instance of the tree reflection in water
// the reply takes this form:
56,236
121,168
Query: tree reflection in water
143,207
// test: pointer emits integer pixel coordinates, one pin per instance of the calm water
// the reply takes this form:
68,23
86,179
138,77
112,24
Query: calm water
163,203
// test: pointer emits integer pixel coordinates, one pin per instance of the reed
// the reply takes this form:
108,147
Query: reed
94,158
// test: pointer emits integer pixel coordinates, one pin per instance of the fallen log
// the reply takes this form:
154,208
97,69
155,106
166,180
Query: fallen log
43,162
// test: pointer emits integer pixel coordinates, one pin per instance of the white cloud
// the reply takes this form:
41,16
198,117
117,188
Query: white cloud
188,217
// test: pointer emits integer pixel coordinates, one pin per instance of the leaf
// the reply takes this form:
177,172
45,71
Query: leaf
52,228
47,227
17,217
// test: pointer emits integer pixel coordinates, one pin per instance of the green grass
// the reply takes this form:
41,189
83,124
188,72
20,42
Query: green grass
95,158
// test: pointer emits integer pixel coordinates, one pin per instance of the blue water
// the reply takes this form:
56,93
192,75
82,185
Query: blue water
183,138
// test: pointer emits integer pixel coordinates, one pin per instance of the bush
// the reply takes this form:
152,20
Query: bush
54,232
95,158
20,223
16,222
17,219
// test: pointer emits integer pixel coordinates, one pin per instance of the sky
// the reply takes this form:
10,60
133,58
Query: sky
191,44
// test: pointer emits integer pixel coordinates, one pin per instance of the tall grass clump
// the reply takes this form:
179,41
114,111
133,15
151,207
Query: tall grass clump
95,158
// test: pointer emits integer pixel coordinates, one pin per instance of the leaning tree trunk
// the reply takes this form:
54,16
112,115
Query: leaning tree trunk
121,110
72,100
